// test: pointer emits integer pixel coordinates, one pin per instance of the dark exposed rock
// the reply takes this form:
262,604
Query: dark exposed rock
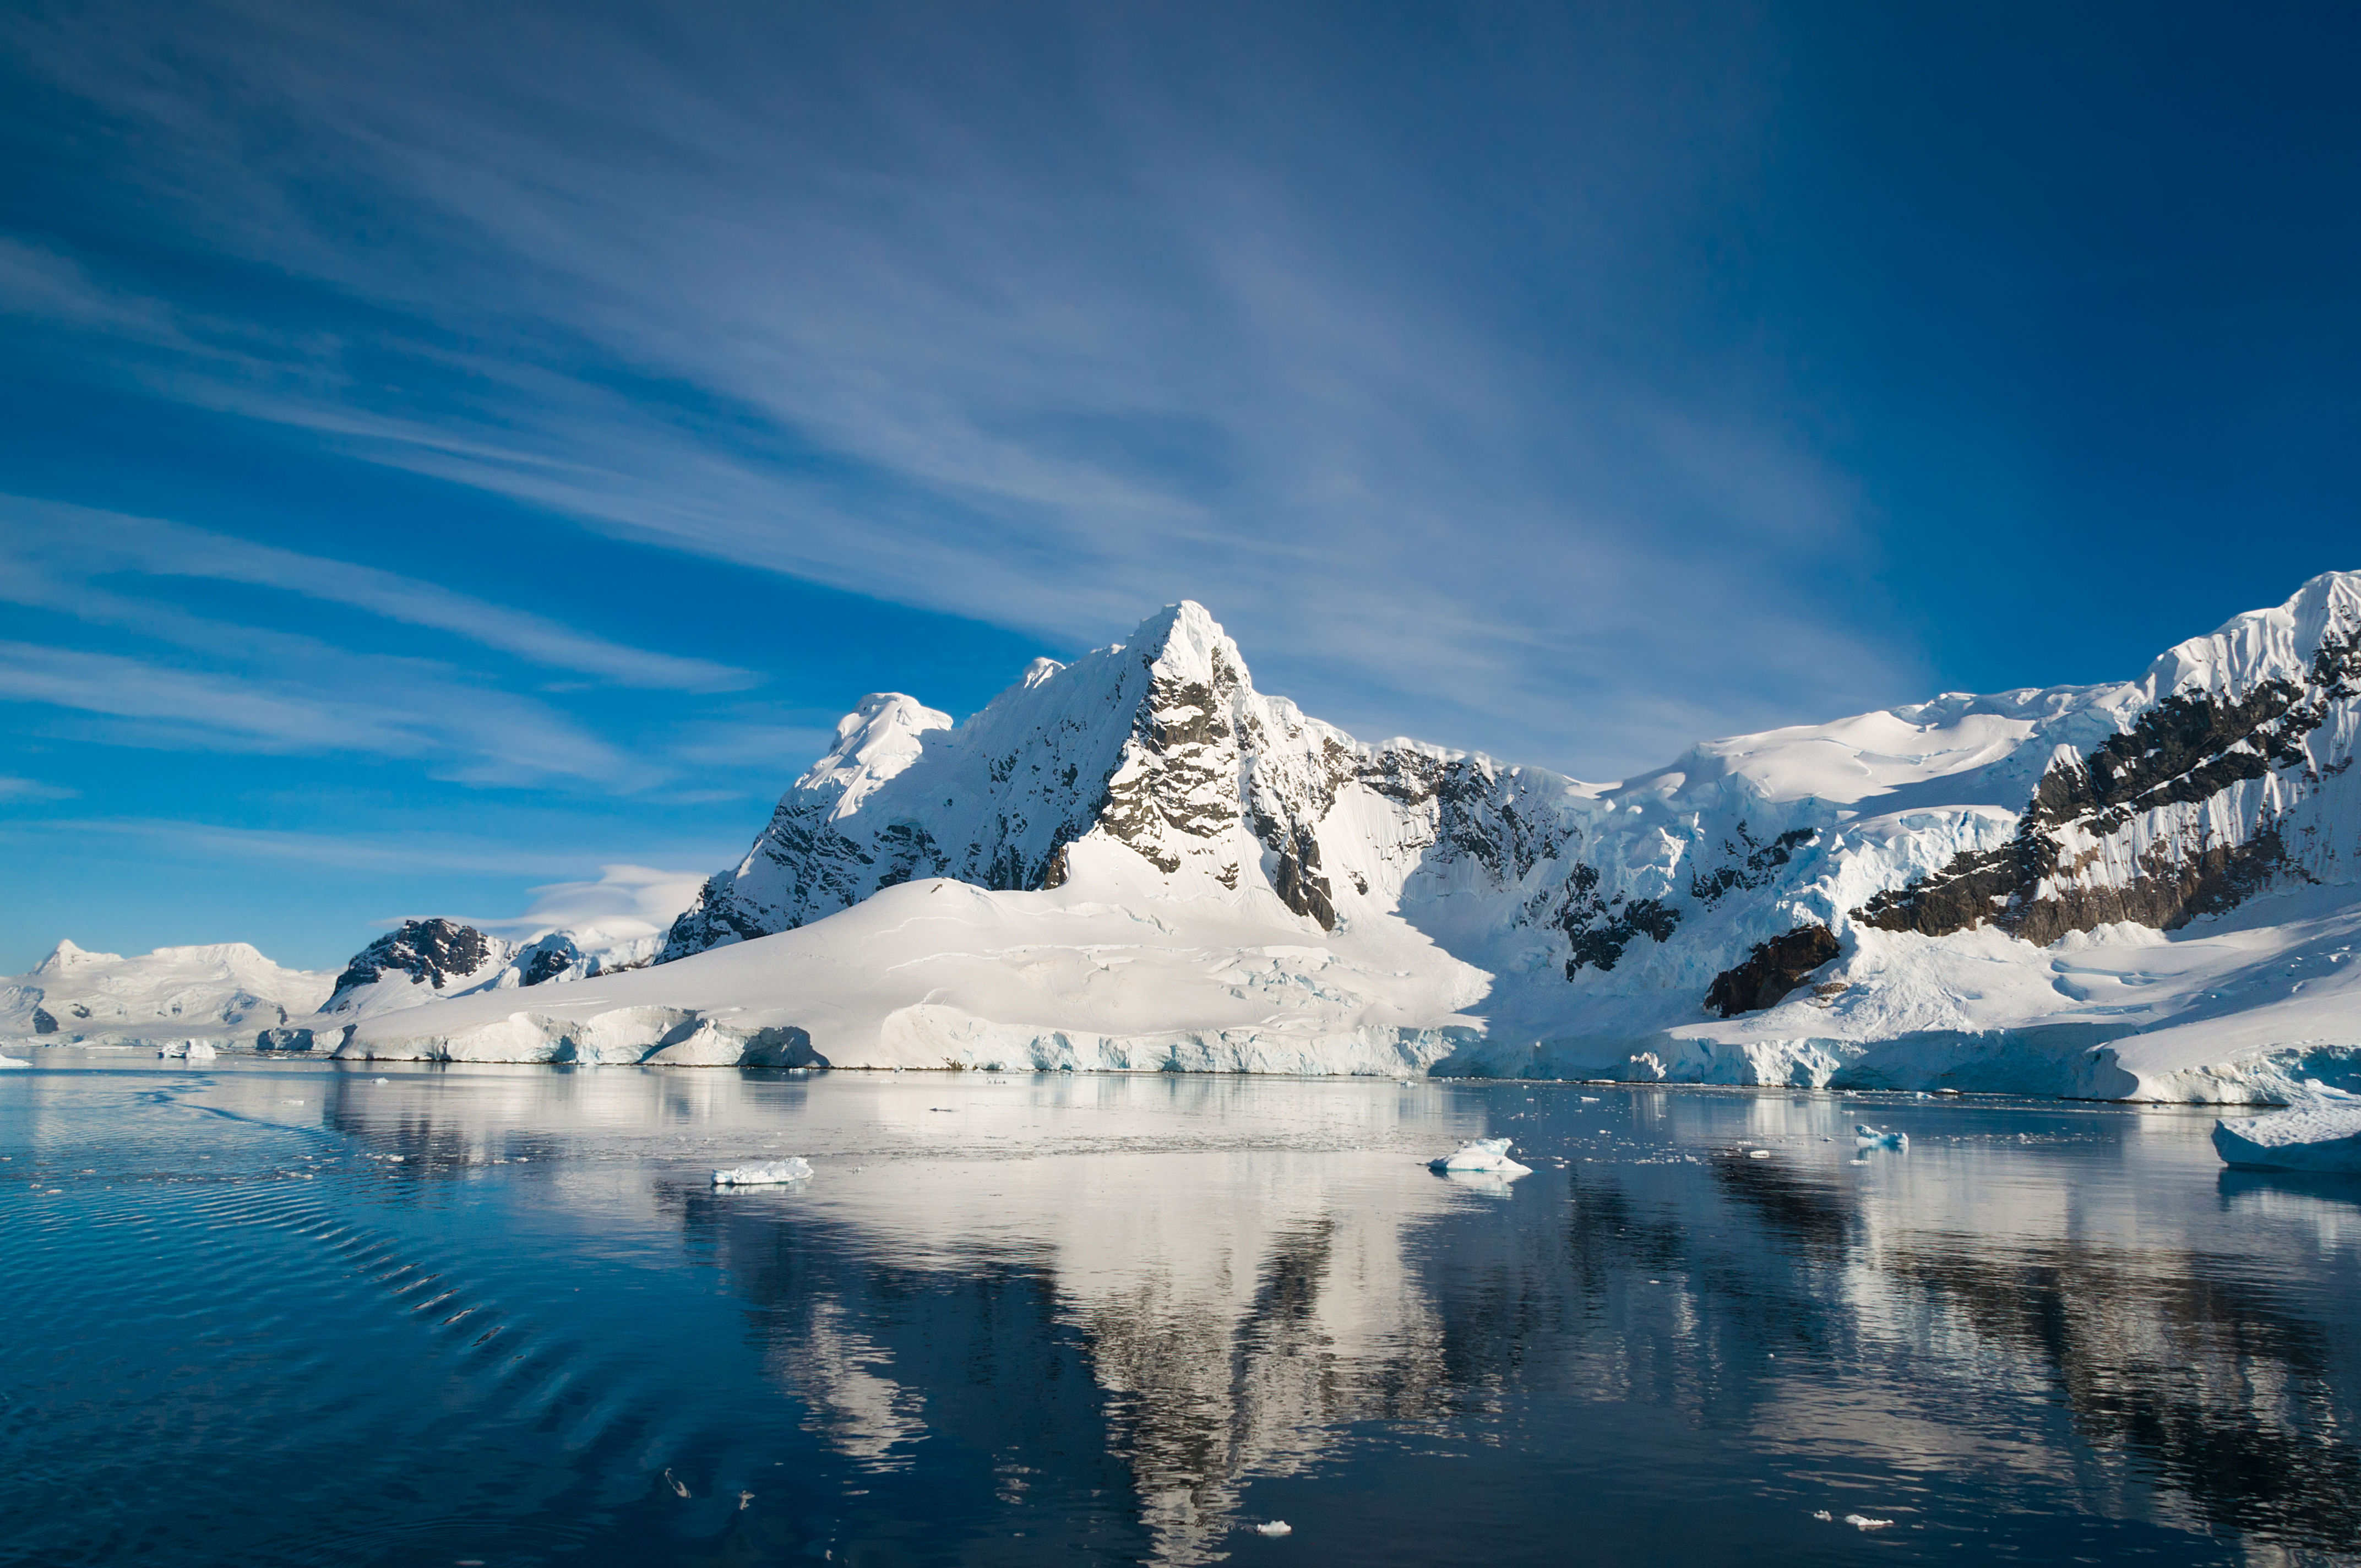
432,951
548,958
1599,929
1753,863
1183,728
1479,814
2175,884
2188,748
1299,883
1772,970
1998,886
283,1040
42,1022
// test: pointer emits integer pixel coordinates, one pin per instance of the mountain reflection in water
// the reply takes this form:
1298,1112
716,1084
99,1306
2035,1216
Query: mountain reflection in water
1124,1319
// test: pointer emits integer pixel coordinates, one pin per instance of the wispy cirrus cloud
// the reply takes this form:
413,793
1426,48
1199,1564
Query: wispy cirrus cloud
49,552
344,703
893,308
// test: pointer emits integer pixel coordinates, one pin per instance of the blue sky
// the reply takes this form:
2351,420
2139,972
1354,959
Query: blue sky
446,450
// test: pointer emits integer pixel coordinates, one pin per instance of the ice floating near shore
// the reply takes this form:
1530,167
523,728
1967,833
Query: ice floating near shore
2320,1134
1868,1137
764,1173
191,1050
1489,1155
1275,1527
13,1062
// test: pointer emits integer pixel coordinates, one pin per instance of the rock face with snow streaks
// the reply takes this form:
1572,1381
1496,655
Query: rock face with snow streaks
436,953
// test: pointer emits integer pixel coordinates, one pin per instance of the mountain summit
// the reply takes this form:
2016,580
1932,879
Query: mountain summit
1153,761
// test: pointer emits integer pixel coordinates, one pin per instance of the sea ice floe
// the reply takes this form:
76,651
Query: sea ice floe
1867,1136
191,1050
1862,1522
764,1173
2320,1133
1487,1155
6,1060
1275,1527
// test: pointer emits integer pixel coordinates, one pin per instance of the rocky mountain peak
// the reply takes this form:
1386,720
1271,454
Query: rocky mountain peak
435,951
2282,643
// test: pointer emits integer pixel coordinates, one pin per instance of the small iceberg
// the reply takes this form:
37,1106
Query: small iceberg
1868,1137
1275,1527
7,1060
2320,1134
764,1173
1488,1156
191,1051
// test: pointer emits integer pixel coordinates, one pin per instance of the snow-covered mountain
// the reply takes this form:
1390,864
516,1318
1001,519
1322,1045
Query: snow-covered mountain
1138,860
230,995
426,961
227,989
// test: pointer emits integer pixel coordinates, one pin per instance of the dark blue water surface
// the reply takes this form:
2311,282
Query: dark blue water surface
269,1313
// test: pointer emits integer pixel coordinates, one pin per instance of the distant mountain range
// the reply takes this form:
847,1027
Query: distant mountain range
1139,860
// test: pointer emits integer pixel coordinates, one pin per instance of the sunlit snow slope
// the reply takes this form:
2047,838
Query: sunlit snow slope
1139,860
225,990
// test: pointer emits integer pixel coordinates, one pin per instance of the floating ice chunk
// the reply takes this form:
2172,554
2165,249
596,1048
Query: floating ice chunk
1862,1522
1275,1527
1871,1137
6,1060
1490,1155
2322,1134
1758,1153
1823,1514
764,1173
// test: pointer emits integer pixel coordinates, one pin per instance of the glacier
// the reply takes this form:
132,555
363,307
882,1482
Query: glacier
1139,861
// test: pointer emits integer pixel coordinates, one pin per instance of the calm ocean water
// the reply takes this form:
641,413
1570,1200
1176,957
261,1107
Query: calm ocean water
266,1313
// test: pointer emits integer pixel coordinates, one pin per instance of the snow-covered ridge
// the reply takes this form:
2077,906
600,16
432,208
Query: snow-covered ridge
76,995
1138,860
229,995
424,961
